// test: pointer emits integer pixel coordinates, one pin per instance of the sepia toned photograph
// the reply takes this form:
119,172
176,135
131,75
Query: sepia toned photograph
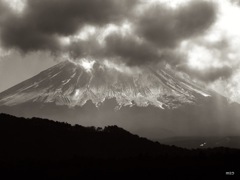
93,89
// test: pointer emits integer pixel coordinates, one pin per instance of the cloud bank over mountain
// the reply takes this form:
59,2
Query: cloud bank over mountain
196,37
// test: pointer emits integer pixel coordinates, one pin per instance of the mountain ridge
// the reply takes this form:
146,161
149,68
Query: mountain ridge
69,84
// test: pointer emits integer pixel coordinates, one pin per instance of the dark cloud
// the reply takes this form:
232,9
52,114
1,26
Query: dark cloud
4,12
222,44
131,50
157,31
237,2
116,46
124,48
166,27
42,21
156,34
208,74
3,8
20,35
90,47
221,49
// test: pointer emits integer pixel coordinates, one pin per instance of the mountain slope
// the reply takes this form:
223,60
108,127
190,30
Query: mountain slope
70,84
153,104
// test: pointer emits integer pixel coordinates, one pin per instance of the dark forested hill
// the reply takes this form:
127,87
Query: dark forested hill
41,148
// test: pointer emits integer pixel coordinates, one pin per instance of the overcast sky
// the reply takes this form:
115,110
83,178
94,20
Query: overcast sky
198,37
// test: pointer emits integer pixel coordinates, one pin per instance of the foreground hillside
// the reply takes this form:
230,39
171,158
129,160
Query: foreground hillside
41,148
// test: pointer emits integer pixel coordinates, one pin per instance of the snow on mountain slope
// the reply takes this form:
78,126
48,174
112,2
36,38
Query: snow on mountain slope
73,84
150,103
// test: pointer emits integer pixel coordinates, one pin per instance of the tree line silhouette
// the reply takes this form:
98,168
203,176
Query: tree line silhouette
42,148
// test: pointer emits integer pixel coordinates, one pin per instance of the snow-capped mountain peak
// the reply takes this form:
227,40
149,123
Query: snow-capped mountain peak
73,84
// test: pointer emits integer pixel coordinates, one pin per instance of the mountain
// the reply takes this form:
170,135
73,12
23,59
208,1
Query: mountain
153,103
43,149
72,85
